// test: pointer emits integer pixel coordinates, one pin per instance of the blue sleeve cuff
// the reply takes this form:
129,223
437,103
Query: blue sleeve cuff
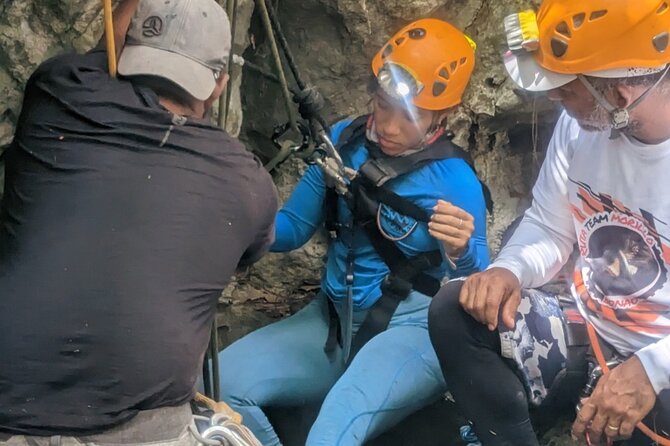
466,263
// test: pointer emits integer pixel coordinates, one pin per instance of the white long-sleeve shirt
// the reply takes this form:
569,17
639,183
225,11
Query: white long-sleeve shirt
611,198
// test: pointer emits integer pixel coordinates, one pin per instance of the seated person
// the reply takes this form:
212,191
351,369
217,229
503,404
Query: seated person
379,296
502,345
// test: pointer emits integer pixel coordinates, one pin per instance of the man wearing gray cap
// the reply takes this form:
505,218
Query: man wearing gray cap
125,213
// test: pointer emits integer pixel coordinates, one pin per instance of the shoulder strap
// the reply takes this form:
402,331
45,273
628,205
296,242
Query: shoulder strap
379,171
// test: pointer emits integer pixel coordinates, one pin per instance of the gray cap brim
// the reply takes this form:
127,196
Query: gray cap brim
529,75
197,79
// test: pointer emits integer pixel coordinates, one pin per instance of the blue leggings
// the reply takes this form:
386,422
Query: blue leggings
284,364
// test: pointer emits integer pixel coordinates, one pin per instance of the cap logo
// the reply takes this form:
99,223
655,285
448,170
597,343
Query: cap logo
152,27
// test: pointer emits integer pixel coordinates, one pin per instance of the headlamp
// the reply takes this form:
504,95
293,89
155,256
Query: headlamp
522,31
398,81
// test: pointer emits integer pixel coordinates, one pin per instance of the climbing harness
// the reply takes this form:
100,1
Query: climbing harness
365,195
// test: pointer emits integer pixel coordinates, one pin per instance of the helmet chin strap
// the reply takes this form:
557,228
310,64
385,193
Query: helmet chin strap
619,117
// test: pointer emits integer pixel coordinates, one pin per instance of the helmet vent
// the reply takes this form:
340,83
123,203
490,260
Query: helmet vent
399,41
558,47
453,66
417,33
562,28
661,42
444,73
387,51
578,19
661,9
438,88
463,60
595,15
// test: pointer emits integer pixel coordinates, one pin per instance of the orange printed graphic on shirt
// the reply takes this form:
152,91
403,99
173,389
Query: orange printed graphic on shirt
623,263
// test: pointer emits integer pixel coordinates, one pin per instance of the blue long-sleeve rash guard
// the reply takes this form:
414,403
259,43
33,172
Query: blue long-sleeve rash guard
451,180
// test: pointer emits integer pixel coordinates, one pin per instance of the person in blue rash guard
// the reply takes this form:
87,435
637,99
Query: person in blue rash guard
418,77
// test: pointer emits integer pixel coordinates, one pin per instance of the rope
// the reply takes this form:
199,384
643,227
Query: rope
214,353
109,36
309,99
278,64
281,38
242,62
231,10
600,357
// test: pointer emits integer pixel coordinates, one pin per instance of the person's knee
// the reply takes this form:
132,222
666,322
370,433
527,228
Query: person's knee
445,316
234,383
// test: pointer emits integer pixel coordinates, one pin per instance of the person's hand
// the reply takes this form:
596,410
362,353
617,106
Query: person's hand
622,398
452,226
489,294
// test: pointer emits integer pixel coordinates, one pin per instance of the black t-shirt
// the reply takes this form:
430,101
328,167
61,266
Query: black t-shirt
119,228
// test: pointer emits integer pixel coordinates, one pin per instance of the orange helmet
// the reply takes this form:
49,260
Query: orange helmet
602,38
429,60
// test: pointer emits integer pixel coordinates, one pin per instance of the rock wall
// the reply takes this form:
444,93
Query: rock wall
333,42
31,32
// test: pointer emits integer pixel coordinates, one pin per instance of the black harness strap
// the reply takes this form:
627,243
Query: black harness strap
380,170
334,329
394,291
398,203
406,273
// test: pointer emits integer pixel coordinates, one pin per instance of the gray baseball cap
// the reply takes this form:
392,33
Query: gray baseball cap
185,41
